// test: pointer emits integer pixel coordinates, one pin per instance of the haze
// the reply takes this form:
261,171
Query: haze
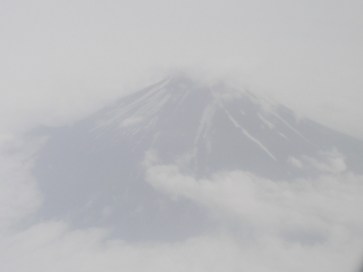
64,62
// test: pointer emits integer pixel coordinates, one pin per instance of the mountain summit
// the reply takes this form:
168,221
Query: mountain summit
93,172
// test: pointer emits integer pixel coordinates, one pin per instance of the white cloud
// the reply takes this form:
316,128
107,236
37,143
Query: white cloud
326,162
301,225
308,216
53,246
19,196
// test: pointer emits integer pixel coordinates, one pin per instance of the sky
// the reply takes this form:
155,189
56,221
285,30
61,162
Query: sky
62,60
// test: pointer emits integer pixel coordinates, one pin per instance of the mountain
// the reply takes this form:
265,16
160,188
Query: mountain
93,172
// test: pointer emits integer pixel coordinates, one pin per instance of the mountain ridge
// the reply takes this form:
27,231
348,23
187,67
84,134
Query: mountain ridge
93,172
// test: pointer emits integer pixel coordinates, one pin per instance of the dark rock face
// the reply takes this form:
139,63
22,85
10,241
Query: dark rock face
93,173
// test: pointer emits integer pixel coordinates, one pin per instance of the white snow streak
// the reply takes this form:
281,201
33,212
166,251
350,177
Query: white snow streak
266,122
248,135
291,127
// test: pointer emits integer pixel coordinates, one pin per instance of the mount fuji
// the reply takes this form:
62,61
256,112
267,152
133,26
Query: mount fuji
93,173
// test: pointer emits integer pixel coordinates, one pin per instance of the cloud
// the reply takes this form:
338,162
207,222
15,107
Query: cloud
260,225
306,215
62,60
53,246
19,197
326,162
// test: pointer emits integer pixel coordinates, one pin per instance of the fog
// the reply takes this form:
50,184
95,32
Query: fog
240,147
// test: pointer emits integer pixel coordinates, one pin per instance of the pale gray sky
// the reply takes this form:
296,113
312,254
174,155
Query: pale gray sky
62,56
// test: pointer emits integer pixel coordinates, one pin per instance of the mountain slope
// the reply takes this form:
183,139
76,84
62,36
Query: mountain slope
94,171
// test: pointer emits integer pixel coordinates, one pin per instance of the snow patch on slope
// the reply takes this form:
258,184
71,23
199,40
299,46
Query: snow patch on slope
249,136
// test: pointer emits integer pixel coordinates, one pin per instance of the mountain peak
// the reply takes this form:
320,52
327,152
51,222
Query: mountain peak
201,129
